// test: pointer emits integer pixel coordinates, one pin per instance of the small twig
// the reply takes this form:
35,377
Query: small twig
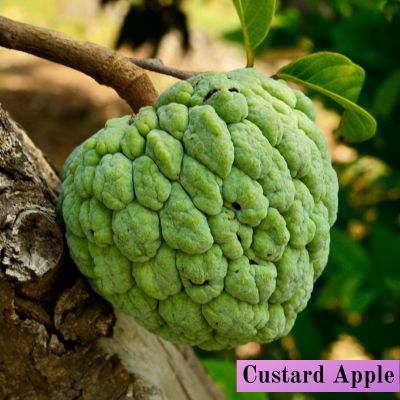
106,66
156,65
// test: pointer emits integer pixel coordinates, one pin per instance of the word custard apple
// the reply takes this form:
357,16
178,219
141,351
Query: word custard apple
206,217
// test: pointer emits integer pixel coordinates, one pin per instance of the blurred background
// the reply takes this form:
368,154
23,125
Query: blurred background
354,312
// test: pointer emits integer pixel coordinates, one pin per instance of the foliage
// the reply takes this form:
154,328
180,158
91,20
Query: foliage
255,18
338,78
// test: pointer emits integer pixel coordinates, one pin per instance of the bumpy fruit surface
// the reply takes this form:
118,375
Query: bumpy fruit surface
206,217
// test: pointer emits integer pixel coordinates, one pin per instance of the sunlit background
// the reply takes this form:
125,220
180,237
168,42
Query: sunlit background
355,308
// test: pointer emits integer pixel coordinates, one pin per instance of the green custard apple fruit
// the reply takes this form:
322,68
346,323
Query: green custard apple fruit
206,217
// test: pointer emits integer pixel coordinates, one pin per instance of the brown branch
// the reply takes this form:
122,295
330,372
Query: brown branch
156,65
106,66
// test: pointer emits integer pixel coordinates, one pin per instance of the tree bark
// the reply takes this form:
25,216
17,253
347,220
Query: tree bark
59,340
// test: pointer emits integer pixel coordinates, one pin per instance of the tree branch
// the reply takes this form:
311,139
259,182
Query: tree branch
156,65
106,66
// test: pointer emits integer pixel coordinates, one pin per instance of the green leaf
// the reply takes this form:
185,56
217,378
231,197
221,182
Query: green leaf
224,373
349,271
256,18
349,255
387,95
337,77
385,253
307,336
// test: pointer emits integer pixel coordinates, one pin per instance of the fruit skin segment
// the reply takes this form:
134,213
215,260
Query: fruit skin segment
206,218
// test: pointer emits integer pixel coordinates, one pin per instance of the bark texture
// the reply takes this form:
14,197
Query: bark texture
58,340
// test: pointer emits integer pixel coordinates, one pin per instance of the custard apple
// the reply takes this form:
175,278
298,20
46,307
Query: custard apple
206,217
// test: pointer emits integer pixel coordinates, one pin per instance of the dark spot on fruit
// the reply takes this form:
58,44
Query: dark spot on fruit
236,206
205,283
210,93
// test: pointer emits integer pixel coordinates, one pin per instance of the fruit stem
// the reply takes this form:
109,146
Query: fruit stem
250,57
